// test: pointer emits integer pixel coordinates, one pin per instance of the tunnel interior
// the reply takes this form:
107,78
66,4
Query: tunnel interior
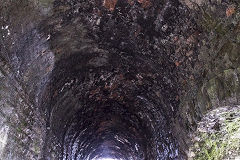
119,79
99,110
104,78
113,89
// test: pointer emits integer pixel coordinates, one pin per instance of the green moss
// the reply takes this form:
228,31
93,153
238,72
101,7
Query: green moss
216,145
220,29
208,22
209,148
46,3
212,91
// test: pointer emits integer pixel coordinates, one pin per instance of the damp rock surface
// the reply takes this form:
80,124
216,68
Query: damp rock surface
120,79
115,96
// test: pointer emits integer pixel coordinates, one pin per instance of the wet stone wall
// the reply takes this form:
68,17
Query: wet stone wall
23,74
120,79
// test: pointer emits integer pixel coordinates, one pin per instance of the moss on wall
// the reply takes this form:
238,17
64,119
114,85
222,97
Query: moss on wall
218,135
218,132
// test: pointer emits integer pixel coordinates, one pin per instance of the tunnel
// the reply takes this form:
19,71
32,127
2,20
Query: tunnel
111,79
107,111
115,102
